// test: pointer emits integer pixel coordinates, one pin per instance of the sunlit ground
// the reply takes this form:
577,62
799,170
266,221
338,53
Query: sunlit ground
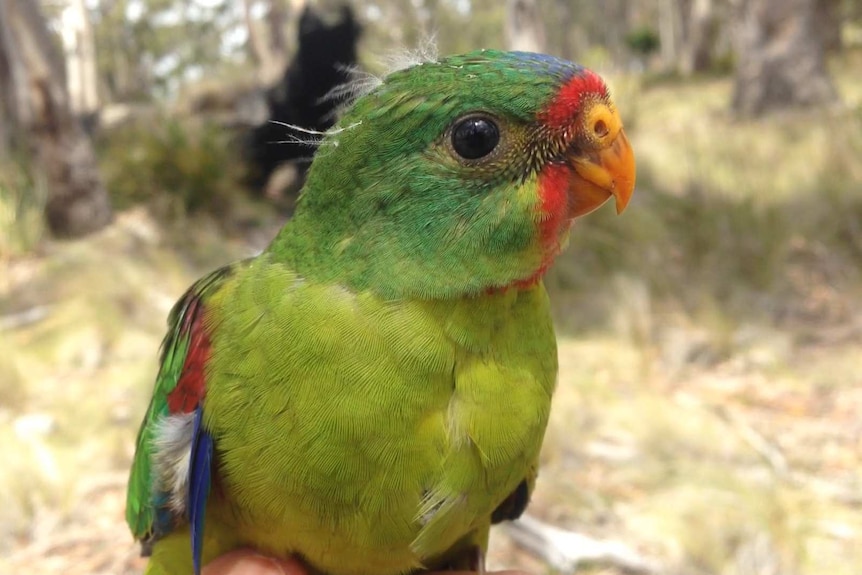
709,394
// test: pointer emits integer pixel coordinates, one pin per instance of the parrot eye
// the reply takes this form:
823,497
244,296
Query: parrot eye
475,137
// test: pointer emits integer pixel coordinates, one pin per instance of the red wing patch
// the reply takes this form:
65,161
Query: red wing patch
190,388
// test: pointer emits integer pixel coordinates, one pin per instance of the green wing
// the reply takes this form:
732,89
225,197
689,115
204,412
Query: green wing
179,388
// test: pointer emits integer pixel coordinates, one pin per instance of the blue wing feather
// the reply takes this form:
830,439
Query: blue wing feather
200,473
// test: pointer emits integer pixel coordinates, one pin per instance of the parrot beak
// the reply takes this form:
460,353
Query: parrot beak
600,175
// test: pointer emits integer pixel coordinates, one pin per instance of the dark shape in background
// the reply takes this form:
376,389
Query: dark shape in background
325,52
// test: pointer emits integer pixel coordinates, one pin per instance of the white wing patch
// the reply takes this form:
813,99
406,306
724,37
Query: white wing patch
172,449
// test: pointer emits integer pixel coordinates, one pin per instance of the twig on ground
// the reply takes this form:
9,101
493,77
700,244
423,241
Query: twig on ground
771,453
565,551
776,460
24,318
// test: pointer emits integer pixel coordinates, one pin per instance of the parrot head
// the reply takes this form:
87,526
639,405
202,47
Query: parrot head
460,176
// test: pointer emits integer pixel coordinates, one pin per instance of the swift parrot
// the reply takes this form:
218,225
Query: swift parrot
370,393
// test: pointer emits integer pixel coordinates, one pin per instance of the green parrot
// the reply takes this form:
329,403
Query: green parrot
370,393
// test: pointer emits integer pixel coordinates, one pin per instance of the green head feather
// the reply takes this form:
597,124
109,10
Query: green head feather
390,206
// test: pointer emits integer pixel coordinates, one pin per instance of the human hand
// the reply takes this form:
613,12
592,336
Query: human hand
249,562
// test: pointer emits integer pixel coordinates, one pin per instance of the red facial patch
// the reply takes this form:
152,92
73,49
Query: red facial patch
562,110
554,208
554,202
189,392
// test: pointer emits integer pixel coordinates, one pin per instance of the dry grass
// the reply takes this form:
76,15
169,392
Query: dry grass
81,327
21,201
709,390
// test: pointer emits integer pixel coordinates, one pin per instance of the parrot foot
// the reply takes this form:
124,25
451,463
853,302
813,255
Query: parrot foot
478,560
471,559
468,559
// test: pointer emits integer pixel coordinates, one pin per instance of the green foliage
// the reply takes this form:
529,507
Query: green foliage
175,166
643,40
838,214
158,45
22,198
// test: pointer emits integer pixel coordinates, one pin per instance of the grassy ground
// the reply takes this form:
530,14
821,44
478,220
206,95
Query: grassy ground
710,354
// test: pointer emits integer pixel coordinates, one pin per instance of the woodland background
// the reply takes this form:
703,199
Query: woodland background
711,369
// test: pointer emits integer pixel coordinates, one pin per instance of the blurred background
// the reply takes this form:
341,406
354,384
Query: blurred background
710,389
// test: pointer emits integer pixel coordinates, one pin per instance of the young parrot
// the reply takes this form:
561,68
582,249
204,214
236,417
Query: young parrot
370,393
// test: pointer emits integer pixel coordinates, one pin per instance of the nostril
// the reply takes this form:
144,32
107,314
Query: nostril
601,129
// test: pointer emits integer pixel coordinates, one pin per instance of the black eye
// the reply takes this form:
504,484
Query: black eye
474,138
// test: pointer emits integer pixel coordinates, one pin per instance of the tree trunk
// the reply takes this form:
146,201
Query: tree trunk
525,29
615,24
267,39
31,73
12,96
573,42
701,28
80,48
830,19
781,59
669,30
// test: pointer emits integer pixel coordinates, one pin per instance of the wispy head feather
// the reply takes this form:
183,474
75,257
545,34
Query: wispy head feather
343,95
308,137
425,52
361,82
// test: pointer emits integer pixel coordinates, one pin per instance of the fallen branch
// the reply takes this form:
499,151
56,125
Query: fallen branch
770,452
24,318
777,461
566,551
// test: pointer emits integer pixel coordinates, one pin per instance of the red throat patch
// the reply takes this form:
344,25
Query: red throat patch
562,110
554,208
554,204
189,392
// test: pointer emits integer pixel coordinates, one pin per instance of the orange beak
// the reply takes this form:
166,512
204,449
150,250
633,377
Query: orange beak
609,171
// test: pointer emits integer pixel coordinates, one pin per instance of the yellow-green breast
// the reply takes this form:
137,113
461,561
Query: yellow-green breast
370,435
